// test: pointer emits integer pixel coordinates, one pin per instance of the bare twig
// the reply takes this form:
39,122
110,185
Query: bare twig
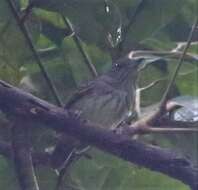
138,10
173,130
172,80
152,119
26,13
169,54
181,45
66,164
152,84
74,156
34,52
76,39
90,66
160,130
155,82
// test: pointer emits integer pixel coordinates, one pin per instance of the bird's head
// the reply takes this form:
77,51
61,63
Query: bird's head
126,68
131,63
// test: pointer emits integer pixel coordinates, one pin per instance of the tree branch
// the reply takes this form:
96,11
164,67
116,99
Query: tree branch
23,105
172,80
78,43
5,149
22,155
38,158
167,54
139,8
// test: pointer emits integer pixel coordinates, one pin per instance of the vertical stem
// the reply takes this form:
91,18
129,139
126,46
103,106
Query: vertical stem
22,156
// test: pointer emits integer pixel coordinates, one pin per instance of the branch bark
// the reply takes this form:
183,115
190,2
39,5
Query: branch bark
38,158
22,155
23,105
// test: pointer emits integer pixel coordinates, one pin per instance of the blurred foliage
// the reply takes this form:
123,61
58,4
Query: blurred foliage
101,25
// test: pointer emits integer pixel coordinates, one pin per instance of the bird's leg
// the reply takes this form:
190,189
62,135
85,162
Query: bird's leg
120,128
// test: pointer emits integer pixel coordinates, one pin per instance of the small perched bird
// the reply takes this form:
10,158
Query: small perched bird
105,101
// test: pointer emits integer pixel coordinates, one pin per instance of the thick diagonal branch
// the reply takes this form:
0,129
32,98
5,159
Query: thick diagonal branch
18,103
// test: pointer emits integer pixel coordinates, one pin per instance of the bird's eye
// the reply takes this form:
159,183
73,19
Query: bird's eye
117,65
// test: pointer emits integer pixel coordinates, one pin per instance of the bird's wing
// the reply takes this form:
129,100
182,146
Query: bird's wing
101,86
76,96
98,86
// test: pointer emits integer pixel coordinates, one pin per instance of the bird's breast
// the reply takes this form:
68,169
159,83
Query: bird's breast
106,110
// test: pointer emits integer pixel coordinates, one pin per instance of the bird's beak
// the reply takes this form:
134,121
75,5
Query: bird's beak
151,59
144,59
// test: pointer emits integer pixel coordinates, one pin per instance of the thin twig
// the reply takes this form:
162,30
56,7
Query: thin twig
172,80
152,84
74,156
181,45
90,66
27,12
164,130
34,52
155,82
169,54
144,66
140,127
126,30
66,164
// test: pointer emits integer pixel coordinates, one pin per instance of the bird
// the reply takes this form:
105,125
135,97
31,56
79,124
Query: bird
106,101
